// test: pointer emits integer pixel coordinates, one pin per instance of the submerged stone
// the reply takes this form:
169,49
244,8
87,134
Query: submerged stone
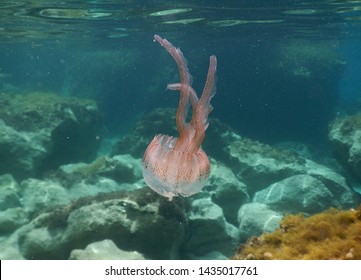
41,131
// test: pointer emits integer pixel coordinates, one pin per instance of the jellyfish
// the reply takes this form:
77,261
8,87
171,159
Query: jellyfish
178,166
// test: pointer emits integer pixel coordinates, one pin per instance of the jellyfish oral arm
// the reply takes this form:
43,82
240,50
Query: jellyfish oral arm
201,111
191,135
185,84
192,94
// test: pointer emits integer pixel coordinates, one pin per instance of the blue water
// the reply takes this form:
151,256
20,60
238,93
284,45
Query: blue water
104,50
350,83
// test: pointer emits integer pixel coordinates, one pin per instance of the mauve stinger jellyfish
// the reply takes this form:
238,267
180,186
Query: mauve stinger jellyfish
178,166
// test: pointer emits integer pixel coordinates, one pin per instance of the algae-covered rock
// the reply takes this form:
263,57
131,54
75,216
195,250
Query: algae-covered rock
121,168
333,234
308,60
41,195
9,192
40,131
345,137
315,190
134,221
12,215
21,153
124,169
11,219
259,165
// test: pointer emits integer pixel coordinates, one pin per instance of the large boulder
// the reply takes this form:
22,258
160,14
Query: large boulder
39,195
41,131
345,137
209,231
306,194
135,221
256,218
12,214
226,190
11,219
9,192
259,165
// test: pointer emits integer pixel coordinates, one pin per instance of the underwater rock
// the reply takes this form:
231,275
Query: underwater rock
122,168
134,221
11,219
8,181
144,130
259,165
305,194
98,185
103,175
209,231
129,225
45,130
226,191
9,249
345,138
256,218
219,135
39,196
12,215
21,153
9,196
314,188
245,163
35,241
308,60
299,148
331,235
104,250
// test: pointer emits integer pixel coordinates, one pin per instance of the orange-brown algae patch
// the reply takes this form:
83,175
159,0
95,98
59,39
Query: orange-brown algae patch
333,234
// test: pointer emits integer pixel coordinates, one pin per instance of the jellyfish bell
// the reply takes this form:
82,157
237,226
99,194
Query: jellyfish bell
172,172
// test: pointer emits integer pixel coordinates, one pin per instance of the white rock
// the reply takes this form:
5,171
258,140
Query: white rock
209,230
303,194
104,250
228,191
256,218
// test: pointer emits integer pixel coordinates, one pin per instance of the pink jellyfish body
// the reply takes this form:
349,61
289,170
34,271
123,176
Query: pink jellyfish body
178,166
